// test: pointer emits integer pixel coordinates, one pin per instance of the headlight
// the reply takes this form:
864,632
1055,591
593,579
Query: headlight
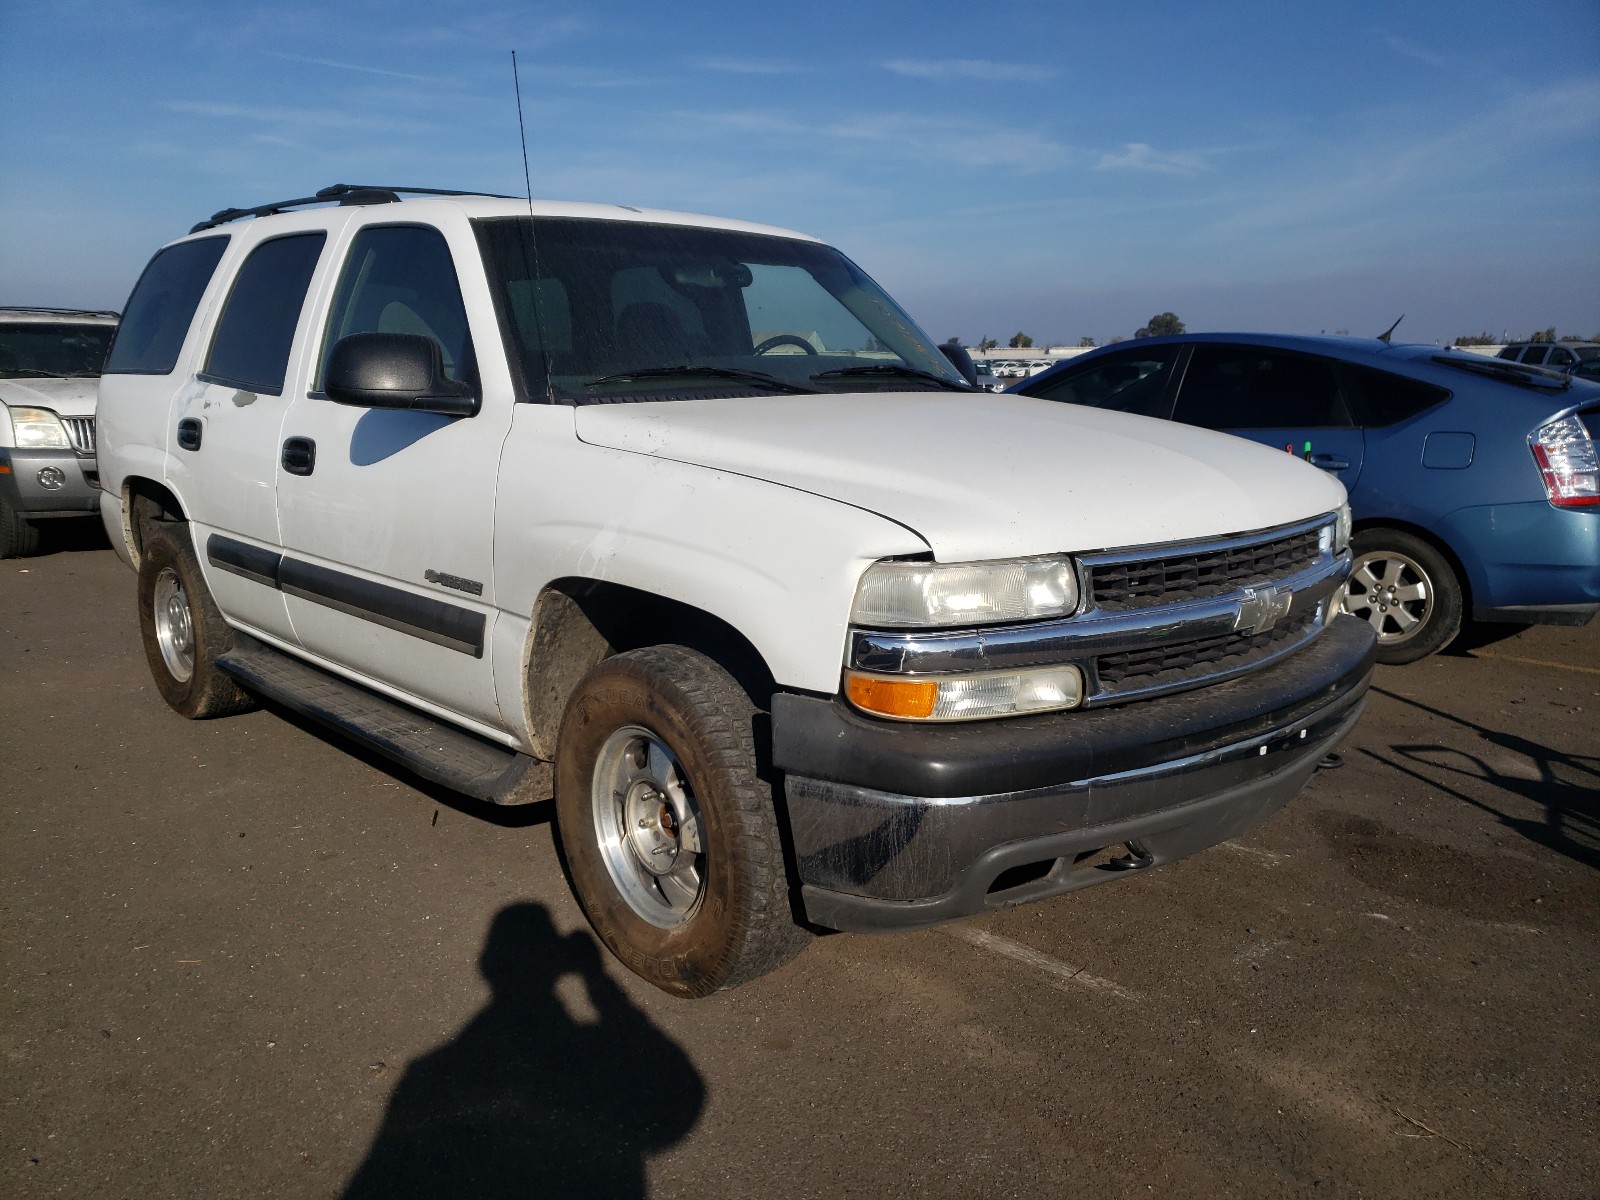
966,697
1336,537
925,594
39,429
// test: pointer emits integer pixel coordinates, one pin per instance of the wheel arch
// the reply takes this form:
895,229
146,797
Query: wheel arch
145,500
1463,576
578,622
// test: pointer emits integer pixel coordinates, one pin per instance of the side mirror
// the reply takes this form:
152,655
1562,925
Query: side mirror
395,370
961,361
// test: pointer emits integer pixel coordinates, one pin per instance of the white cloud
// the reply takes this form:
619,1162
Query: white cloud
958,141
748,66
970,68
1410,49
1139,156
345,66
312,118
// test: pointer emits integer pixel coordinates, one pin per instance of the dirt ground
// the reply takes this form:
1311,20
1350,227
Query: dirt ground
242,960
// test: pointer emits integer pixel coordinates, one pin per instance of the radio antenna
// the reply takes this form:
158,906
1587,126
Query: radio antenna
522,132
530,243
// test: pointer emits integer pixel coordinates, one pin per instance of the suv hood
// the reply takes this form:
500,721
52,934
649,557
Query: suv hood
64,397
983,476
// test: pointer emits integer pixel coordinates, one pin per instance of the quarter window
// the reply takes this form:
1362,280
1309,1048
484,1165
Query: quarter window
1384,399
162,307
400,279
1248,387
1131,382
256,330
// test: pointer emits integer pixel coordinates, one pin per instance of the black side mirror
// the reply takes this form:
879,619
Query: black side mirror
395,370
961,361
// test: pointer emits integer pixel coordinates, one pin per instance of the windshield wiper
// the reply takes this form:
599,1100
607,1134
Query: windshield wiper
690,371
896,370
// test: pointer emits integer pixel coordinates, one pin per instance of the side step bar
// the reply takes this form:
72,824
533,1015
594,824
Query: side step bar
422,744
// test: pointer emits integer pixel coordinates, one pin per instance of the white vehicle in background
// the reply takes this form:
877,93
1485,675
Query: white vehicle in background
685,520
50,361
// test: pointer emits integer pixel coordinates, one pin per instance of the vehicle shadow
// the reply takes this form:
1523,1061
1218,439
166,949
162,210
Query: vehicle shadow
527,1100
1565,786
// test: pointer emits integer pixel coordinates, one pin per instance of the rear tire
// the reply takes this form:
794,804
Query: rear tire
182,630
1406,590
19,537
670,836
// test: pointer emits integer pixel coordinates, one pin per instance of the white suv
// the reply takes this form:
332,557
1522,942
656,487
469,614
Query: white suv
684,520
50,362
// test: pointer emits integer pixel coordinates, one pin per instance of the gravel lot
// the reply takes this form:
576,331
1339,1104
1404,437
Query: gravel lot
241,960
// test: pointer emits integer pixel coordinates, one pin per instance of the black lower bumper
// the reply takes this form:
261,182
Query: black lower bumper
896,826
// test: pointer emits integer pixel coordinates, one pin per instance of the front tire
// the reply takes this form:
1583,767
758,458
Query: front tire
670,836
1406,590
182,630
19,537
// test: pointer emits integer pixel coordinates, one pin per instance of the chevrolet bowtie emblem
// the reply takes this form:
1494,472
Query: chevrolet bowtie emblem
1260,608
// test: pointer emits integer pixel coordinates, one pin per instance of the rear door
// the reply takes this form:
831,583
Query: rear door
226,428
1281,398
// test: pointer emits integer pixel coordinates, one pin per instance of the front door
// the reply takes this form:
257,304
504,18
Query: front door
387,517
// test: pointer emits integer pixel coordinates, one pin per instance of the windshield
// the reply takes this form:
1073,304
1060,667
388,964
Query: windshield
1585,353
44,350
606,311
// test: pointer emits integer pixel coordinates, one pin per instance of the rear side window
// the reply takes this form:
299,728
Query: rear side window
1379,398
256,330
1251,387
1534,355
162,306
1132,382
400,279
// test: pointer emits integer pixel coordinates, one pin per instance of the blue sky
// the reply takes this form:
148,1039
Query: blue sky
1063,169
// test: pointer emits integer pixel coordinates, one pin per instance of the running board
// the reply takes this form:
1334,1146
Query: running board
422,744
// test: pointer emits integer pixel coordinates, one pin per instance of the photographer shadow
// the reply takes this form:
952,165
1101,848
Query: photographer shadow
527,1101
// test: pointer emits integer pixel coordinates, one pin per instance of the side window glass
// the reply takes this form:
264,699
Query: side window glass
400,279
1247,387
162,306
1533,355
256,330
1135,382
1384,399
1560,357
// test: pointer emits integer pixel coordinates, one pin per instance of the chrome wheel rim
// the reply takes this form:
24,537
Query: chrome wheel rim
647,825
174,625
1390,592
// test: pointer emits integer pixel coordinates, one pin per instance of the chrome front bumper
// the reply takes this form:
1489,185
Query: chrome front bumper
1176,775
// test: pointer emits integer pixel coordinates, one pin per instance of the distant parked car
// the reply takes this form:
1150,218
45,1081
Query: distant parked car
987,379
1474,481
50,360
1555,356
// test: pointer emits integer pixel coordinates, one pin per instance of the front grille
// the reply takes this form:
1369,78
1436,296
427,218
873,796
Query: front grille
1178,577
1164,666
80,432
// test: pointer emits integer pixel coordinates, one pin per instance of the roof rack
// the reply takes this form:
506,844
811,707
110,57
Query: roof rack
343,194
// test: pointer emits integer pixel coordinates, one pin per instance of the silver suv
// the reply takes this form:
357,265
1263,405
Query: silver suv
50,361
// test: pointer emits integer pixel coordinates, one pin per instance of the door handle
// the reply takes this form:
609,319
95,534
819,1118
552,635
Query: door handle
1330,462
189,430
299,456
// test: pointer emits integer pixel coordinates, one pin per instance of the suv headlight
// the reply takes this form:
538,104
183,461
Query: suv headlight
38,429
934,595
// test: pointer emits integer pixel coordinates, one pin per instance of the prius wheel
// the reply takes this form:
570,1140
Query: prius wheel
1407,592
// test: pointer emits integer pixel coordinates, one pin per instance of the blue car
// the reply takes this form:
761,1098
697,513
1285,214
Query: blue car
1474,481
